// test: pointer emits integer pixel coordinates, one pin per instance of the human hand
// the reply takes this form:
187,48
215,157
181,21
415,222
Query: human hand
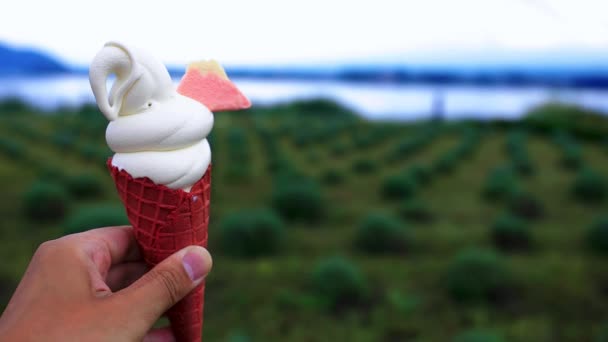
94,286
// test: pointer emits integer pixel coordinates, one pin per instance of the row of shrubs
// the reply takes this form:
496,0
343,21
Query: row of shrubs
571,154
260,232
446,162
517,151
65,139
404,186
49,198
276,162
410,145
253,233
12,149
338,284
398,186
311,132
500,184
238,166
371,135
589,186
511,231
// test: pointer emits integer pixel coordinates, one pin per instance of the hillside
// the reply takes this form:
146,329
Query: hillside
19,62
330,228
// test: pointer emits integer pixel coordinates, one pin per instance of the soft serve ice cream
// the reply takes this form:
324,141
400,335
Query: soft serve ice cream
154,131
166,142
158,134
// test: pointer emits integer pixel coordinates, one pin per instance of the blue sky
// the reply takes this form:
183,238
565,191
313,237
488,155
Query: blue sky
313,31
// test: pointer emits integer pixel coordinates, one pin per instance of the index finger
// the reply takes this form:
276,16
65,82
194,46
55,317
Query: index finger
111,245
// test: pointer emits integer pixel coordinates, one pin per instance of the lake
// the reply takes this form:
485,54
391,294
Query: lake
373,101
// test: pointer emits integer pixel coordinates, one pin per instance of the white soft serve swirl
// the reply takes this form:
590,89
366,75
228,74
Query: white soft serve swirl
165,142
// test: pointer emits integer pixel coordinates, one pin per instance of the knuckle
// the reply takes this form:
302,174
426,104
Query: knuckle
170,281
53,250
46,249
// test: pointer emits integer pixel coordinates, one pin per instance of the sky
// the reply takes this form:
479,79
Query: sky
265,32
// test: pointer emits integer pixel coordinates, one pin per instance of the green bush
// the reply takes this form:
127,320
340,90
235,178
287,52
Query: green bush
571,152
398,187
590,186
583,123
238,147
572,158
13,105
500,184
237,173
52,173
363,166
88,152
446,163
525,205
597,236
302,139
102,154
511,233
382,234
339,149
64,140
321,108
523,165
95,216
85,185
420,173
478,335
45,200
332,177
251,233
295,198
516,148
313,157
415,210
476,275
338,283
12,149
278,164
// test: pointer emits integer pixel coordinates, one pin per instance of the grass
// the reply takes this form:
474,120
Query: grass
562,289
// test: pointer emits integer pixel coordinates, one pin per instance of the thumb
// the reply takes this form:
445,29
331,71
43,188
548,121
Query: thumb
166,284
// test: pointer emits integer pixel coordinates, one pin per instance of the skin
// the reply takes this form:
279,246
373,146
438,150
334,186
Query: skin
94,286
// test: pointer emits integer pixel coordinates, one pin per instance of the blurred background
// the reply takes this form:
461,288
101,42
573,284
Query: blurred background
409,170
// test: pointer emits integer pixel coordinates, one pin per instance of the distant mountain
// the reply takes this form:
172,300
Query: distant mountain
22,62
555,68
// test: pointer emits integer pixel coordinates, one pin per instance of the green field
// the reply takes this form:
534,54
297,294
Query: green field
547,279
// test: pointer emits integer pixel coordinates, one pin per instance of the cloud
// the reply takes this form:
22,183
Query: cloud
264,31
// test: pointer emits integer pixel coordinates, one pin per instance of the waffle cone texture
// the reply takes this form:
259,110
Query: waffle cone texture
164,221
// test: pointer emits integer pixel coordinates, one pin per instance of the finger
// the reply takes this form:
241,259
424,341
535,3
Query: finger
105,247
123,275
119,242
160,335
167,283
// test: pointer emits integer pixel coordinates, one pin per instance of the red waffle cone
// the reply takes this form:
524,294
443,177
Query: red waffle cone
164,221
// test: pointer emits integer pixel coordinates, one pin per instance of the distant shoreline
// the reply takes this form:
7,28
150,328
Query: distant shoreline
34,63
379,100
587,79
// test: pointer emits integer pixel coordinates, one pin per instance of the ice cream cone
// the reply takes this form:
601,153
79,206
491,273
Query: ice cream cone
164,221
